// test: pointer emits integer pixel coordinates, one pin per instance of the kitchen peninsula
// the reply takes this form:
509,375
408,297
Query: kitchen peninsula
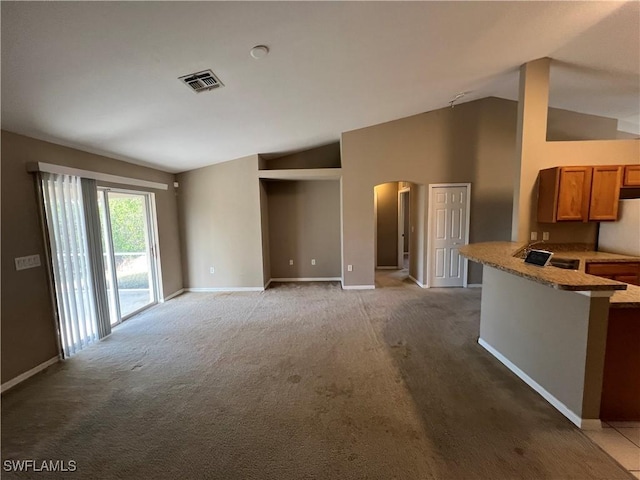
549,325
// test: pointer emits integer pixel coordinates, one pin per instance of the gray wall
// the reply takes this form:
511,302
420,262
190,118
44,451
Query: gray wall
264,217
473,142
387,224
565,125
304,224
221,225
28,331
557,338
326,156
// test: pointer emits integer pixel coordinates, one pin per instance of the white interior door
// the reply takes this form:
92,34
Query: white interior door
449,231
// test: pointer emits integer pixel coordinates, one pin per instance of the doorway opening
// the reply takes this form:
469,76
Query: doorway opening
397,233
129,247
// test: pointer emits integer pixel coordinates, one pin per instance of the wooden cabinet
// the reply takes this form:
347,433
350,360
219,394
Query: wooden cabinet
631,176
627,272
605,193
579,194
620,386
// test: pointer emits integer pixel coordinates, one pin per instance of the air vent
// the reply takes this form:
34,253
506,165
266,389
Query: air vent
201,81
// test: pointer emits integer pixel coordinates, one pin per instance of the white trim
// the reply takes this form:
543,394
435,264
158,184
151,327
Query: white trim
307,279
101,177
429,229
224,289
302,174
173,295
474,285
561,407
394,267
375,227
421,285
597,293
266,285
29,373
358,287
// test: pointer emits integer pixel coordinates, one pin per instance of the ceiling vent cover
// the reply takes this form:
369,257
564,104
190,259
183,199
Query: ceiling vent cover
201,81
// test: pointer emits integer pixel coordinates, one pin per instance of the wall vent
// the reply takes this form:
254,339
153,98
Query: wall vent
201,81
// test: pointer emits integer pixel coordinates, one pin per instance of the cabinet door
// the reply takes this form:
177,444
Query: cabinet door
605,193
631,176
573,194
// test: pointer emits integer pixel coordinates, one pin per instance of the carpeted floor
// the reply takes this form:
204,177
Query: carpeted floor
303,381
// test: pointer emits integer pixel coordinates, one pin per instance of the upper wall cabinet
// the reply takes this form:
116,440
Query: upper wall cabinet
605,193
579,194
631,176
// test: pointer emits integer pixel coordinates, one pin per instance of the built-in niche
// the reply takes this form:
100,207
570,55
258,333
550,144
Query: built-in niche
303,229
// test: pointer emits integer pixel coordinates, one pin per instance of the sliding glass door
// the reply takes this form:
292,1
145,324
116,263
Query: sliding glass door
129,246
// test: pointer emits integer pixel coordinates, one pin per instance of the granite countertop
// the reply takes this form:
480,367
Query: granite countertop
500,255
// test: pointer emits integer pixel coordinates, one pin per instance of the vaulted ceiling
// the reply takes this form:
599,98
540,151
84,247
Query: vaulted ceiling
102,76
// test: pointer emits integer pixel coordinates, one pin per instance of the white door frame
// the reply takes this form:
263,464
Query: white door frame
401,214
430,230
154,250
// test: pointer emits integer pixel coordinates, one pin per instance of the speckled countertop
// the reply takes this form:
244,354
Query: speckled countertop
500,255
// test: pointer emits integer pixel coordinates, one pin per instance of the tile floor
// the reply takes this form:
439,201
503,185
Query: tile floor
621,440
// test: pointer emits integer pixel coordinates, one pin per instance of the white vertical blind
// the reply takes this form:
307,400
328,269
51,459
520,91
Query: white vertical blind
70,254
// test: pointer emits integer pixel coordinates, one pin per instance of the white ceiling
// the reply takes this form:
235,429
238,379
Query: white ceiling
102,76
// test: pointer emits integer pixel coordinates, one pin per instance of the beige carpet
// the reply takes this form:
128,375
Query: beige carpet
303,381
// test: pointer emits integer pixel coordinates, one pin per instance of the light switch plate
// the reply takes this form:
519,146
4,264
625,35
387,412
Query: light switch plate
30,261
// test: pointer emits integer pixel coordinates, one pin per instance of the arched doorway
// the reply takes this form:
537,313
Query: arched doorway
398,233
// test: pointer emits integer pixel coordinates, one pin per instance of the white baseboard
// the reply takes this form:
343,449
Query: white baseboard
29,373
225,289
586,423
474,285
358,287
388,268
266,285
421,285
306,279
173,295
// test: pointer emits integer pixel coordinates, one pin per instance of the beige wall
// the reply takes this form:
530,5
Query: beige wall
558,338
326,156
473,142
28,331
304,224
221,225
387,224
535,153
565,125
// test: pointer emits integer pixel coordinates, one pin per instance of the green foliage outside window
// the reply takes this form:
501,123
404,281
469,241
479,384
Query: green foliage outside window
127,224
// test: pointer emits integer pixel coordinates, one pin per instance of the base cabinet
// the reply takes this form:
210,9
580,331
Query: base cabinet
620,386
626,272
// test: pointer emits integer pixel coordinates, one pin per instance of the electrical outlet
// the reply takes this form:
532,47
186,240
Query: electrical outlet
212,270
313,261
31,261
291,262
545,235
349,268
534,236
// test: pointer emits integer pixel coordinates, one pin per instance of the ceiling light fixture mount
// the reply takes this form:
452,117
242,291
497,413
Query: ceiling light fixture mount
259,51
456,98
